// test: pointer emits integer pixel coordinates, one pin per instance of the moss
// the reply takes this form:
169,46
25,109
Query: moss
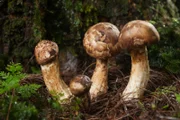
38,24
66,21
22,28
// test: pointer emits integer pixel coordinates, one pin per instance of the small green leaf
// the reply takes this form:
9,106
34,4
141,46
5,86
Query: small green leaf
177,97
27,91
165,106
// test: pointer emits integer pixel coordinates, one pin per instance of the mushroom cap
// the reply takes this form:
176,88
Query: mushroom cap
138,33
100,40
80,85
46,51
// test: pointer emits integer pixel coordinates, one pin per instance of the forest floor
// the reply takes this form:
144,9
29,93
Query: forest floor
159,101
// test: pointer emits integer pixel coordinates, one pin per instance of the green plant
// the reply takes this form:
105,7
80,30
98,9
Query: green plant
166,53
164,90
70,111
177,98
14,98
164,99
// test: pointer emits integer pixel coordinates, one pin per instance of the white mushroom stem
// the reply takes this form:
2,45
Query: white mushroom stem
99,79
54,82
139,74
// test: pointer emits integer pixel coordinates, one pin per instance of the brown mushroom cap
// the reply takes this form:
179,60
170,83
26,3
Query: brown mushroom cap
80,85
46,51
100,40
138,33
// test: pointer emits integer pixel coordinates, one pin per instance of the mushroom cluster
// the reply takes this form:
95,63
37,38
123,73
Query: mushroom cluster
101,41
46,53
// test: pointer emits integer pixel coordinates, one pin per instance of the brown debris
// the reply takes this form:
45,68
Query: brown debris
110,107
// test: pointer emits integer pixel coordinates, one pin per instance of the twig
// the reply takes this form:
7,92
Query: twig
32,57
166,117
169,101
10,105
88,67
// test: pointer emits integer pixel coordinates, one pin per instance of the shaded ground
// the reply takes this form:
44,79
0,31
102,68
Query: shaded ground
159,102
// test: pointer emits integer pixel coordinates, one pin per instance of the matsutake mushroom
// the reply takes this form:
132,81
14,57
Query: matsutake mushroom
134,37
46,53
79,87
100,42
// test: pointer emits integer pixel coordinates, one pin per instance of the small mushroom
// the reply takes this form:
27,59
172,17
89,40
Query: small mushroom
79,87
134,37
100,42
46,53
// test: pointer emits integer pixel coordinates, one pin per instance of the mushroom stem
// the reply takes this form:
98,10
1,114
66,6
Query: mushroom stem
139,74
99,79
54,82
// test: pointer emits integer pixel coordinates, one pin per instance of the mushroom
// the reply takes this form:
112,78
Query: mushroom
79,87
46,53
134,37
100,42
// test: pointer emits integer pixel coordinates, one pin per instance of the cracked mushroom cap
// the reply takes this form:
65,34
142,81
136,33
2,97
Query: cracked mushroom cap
80,85
100,40
138,33
46,51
